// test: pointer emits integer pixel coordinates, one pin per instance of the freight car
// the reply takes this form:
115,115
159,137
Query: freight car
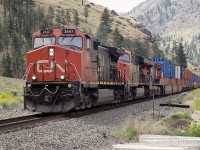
67,69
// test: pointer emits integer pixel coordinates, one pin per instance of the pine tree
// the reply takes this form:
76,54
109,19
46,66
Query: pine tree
58,18
144,50
137,47
63,22
50,15
68,17
40,17
7,66
6,34
118,38
76,19
157,53
174,48
1,37
106,20
86,13
181,56
44,23
127,43
104,27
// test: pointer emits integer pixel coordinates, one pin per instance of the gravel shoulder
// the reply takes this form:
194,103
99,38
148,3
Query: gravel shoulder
91,132
12,113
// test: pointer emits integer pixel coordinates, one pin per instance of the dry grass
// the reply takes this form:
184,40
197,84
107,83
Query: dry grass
191,96
149,126
127,25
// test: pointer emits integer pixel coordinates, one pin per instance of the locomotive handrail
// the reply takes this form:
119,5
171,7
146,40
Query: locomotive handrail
27,70
126,77
122,72
74,68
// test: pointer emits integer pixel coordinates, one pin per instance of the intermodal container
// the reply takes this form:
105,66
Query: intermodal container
182,72
189,75
173,82
178,82
168,68
172,70
190,83
185,73
178,72
193,77
183,82
186,83
167,81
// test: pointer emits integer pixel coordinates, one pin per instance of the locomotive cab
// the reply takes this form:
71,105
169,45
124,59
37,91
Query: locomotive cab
66,69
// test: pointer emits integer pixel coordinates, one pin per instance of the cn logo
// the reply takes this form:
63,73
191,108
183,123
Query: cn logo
48,69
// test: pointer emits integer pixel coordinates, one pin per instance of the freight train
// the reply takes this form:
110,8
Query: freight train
67,69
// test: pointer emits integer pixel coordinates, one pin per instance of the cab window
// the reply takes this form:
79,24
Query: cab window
43,41
75,43
125,58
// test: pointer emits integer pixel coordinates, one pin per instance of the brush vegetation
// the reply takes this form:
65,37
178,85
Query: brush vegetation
129,132
10,92
8,99
190,96
181,125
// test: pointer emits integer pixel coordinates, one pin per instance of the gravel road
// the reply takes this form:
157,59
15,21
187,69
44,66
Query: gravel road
91,132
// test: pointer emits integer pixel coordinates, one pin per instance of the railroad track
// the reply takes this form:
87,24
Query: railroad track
25,122
31,121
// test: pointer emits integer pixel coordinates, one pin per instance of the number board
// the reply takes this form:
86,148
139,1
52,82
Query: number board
47,31
68,31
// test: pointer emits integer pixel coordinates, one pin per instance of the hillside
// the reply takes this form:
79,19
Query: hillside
128,26
173,20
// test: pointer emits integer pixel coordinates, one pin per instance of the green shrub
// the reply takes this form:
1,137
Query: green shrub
180,132
194,130
8,99
185,115
167,120
130,132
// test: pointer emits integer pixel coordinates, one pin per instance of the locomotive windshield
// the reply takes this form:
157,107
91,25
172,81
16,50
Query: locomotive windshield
125,57
75,43
43,41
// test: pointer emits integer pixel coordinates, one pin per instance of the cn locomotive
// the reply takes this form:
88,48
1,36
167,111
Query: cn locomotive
68,69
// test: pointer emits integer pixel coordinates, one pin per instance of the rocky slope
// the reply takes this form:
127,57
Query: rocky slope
173,20
128,26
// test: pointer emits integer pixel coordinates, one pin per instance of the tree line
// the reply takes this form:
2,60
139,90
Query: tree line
21,18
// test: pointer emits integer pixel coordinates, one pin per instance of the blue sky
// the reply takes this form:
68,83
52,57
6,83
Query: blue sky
118,5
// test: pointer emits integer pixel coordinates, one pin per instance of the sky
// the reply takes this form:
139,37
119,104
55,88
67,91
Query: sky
118,5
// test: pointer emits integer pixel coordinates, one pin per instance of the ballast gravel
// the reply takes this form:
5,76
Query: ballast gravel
92,132
12,113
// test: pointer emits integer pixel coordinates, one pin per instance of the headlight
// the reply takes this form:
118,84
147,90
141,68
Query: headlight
62,77
69,85
34,77
51,51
